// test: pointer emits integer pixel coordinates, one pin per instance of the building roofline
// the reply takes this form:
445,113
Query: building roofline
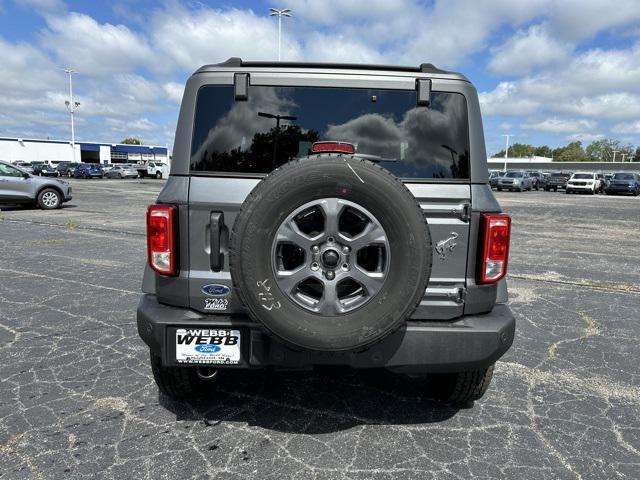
106,144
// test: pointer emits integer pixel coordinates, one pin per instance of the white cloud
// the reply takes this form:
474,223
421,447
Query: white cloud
578,19
559,125
526,51
584,137
505,99
192,38
174,91
92,48
627,127
585,86
610,105
339,48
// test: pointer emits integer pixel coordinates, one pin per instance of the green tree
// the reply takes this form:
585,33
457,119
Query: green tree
571,153
518,150
636,157
543,151
132,141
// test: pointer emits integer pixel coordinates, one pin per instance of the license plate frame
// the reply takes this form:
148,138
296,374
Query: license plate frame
207,346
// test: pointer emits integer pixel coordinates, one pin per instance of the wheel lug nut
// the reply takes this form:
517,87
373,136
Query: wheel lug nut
345,267
330,275
315,249
314,266
346,249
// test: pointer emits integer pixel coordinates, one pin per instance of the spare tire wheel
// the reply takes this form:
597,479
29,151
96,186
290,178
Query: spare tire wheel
330,253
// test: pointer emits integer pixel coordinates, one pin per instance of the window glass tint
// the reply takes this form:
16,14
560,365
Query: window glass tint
9,171
278,124
624,176
583,176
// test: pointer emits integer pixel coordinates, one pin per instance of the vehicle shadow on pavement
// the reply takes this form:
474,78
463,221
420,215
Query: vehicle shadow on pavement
320,401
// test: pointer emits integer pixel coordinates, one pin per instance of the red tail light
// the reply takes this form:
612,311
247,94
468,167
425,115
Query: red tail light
495,248
162,245
333,147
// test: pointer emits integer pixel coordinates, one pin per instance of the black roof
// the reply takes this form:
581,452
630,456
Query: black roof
236,62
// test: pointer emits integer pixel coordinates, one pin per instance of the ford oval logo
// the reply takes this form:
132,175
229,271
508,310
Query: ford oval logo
216,290
207,348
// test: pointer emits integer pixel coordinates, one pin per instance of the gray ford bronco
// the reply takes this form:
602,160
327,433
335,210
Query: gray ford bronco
327,214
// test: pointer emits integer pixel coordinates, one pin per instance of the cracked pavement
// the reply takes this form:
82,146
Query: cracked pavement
77,399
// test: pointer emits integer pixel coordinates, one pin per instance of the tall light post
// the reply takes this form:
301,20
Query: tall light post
274,12
72,106
506,150
614,155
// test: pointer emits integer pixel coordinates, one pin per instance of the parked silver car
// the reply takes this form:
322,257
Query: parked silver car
122,171
19,186
515,180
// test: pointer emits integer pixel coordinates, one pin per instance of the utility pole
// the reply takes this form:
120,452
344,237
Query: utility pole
274,12
72,106
624,155
506,150
614,155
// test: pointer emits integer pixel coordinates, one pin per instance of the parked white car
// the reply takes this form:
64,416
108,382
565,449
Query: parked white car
584,182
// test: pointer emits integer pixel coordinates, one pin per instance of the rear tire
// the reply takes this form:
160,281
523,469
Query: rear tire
158,175
461,387
179,382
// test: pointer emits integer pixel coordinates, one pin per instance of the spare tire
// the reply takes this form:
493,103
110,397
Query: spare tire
330,253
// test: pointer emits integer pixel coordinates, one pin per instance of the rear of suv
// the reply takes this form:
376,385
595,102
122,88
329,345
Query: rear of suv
327,214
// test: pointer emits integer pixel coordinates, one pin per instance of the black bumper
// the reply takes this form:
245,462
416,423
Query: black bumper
468,343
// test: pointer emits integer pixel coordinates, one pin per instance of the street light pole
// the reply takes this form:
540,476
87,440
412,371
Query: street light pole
506,150
72,106
614,155
273,12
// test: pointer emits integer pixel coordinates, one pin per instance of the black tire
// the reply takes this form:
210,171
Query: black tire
70,174
461,387
329,176
546,189
180,382
555,189
499,189
44,197
158,175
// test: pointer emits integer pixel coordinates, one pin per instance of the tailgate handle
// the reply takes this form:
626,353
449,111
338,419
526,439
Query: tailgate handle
216,257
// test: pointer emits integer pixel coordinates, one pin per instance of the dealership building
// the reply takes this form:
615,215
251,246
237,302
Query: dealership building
30,150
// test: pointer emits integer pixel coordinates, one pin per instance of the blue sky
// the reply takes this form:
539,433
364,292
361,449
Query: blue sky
547,71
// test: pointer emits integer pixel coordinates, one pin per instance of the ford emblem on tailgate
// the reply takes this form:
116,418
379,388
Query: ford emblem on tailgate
216,290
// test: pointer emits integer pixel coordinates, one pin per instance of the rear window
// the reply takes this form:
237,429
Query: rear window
583,176
624,176
278,124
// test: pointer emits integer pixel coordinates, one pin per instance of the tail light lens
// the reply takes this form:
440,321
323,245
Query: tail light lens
162,231
495,247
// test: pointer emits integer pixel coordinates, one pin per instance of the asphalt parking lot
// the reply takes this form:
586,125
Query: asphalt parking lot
77,399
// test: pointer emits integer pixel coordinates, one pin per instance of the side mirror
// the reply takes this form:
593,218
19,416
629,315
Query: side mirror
25,175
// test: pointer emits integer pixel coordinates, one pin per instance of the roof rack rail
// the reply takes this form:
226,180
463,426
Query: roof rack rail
237,62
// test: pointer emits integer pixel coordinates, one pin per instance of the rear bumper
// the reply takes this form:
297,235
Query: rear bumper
468,343
620,189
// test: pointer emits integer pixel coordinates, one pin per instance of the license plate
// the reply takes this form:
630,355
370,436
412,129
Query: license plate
204,346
